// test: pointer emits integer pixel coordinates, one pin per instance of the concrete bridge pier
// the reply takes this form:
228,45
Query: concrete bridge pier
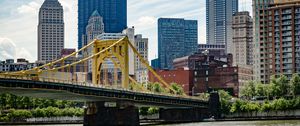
180,115
174,115
111,113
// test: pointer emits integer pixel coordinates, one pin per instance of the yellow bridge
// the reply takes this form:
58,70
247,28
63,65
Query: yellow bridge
104,101
113,50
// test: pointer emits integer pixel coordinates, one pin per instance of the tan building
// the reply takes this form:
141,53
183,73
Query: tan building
242,39
50,31
141,71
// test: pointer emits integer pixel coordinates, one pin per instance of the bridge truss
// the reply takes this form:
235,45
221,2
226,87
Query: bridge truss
64,70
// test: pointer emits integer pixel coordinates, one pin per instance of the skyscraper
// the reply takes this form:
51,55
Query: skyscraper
94,28
176,38
284,18
113,12
50,31
219,22
262,66
242,39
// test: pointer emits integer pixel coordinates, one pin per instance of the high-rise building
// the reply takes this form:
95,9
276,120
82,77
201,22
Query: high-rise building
242,39
141,71
94,28
284,18
176,38
113,12
262,65
219,22
50,31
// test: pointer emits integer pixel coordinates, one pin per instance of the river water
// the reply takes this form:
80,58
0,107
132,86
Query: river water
244,123
229,123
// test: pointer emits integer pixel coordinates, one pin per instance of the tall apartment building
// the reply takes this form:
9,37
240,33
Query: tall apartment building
262,54
242,39
284,20
176,38
219,22
141,71
50,30
114,13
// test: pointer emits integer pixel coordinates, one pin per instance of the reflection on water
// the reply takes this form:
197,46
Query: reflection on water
229,123
244,123
53,125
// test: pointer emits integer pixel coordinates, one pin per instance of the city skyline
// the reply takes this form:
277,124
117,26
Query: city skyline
17,38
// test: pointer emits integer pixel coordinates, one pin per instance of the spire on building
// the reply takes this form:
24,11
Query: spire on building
95,13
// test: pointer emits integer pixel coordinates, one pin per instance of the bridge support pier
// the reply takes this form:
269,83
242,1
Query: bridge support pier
180,115
111,113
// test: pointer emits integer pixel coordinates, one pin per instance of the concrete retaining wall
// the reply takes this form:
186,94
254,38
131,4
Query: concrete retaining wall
288,113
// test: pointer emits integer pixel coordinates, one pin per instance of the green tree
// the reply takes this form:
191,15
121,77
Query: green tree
295,85
157,88
39,112
144,111
260,90
225,100
249,90
177,88
279,85
153,110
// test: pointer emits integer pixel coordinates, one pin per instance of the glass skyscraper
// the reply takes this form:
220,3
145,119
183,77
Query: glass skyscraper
219,22
114,13
176,38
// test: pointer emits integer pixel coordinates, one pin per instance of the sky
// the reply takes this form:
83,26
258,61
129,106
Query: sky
19,20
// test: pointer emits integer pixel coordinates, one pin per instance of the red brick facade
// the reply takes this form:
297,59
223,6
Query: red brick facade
179,76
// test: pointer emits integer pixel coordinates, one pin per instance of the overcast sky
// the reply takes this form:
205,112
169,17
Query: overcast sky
19,19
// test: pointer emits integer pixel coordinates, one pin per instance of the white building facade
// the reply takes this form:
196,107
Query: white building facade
141,71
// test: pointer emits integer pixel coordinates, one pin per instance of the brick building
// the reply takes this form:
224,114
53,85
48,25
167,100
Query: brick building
200,73
183,77
230,79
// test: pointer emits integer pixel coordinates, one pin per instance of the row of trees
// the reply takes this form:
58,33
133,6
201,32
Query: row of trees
9,101
12,114
14,107
231,105
278,87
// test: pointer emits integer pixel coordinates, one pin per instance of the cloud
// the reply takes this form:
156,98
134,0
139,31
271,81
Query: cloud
19,20
30,8
9,50
145,22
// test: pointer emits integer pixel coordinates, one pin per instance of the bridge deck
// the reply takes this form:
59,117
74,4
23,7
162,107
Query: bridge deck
85,93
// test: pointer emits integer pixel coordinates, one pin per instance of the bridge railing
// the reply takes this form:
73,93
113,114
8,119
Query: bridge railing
86,84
